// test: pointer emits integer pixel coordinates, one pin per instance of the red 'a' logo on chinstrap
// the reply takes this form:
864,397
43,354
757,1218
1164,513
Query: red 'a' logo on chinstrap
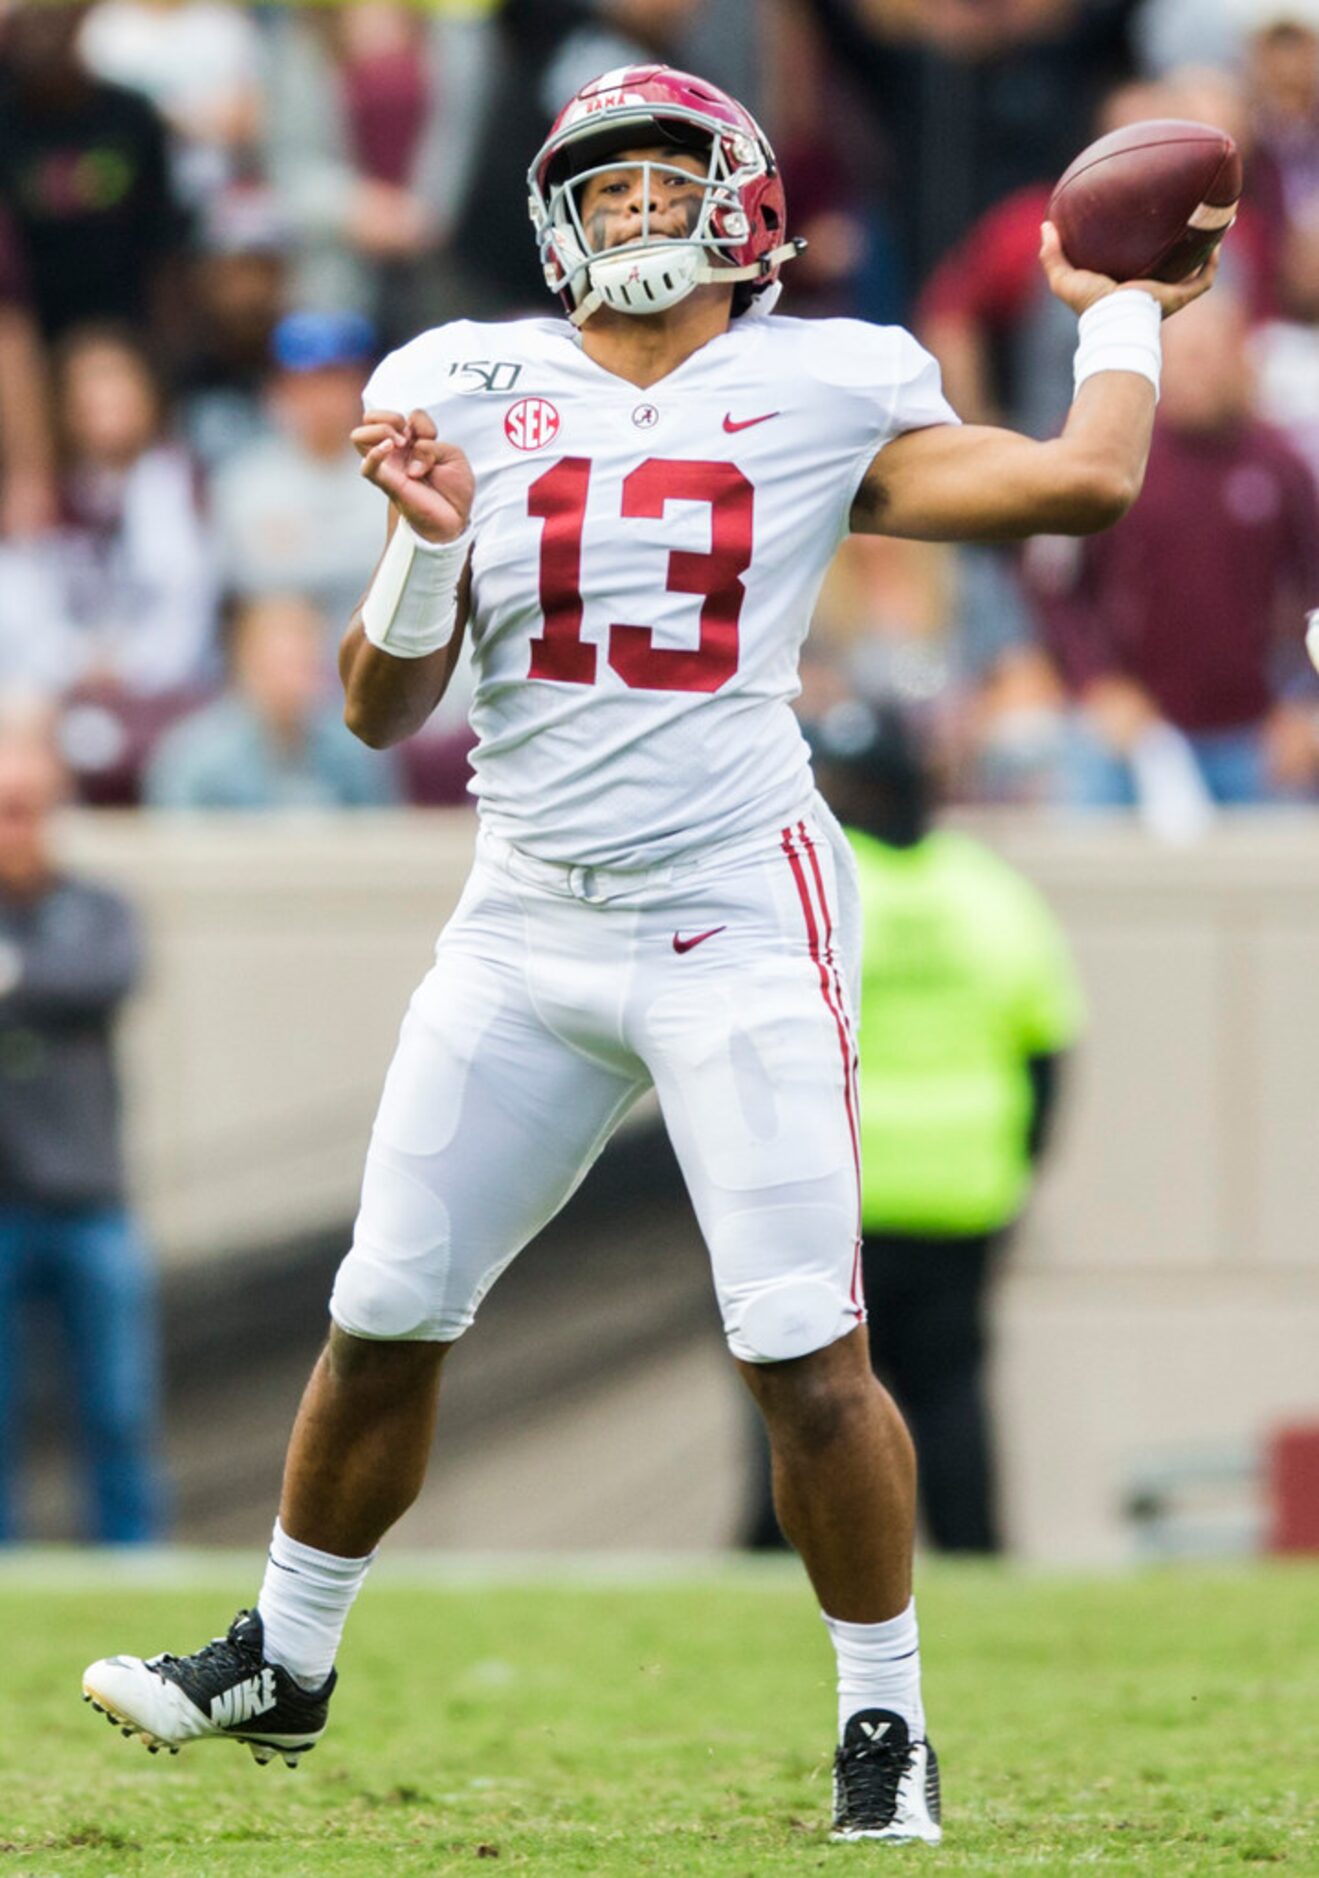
531,423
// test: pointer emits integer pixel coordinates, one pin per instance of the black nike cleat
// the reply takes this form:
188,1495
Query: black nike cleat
227,1692
886,1786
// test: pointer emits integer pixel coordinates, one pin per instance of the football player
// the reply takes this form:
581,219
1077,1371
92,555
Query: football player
628,513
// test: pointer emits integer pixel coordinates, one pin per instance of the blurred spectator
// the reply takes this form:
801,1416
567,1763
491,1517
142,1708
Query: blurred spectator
1284,79
237,284
823,159
371,116
1187,616
1285,351
1169,33
274,739
968,1003
826,280
116,605
199,62
69,957
293,512
906,621
84,169
976,98
886,611
1015,731
27,451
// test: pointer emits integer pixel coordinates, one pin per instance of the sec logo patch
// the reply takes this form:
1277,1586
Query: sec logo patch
531,423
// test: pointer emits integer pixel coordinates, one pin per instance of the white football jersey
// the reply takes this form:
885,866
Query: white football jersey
645,564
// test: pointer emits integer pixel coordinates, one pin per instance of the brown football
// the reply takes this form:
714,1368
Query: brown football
1150,201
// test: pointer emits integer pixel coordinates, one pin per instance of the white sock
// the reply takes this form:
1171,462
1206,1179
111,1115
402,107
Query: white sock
305,1599
879,1666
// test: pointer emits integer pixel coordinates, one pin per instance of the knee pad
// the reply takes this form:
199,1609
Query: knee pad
784,1273
373,1299
394,1280
793,1317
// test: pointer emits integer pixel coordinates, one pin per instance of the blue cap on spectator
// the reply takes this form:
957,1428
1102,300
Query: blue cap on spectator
309,342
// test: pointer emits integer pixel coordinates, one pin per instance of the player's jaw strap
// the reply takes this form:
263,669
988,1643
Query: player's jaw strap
672,256
411,606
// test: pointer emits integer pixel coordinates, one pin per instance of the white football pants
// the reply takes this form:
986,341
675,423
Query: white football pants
558,995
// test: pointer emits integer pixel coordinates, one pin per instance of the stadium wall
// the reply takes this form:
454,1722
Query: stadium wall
1162,1309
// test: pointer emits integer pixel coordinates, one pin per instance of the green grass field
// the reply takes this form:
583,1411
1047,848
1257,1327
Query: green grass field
1163,1722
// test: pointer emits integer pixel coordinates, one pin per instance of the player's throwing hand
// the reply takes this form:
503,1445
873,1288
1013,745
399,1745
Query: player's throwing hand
430,483
1078,288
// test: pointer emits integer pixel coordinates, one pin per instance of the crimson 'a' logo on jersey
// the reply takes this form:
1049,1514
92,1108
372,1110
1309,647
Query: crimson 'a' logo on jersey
531,423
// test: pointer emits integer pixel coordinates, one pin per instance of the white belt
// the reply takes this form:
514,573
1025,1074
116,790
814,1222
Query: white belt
596,885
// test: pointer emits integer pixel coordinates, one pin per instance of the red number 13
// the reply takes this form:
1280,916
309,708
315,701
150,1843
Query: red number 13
558,498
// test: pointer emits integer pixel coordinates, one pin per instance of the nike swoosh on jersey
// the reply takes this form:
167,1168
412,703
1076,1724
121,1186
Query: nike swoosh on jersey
685,945
744,423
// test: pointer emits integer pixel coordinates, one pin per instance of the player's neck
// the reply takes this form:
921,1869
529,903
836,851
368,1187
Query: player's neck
647,347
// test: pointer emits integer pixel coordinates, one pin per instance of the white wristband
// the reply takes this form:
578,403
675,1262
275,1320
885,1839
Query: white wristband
1119,333
411,606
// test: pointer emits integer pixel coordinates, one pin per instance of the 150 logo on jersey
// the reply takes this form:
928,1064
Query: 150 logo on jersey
486,374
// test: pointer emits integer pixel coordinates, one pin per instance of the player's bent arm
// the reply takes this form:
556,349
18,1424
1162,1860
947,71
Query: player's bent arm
975,483
400,651
387,699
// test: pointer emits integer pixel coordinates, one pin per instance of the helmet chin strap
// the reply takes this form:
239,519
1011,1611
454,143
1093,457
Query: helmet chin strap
639,280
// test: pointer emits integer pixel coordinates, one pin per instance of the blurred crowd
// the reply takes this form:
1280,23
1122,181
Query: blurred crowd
215,217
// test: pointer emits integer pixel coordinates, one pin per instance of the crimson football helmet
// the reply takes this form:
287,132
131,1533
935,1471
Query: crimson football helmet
737,230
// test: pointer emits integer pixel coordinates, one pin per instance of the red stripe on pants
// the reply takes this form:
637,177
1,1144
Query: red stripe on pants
835,1011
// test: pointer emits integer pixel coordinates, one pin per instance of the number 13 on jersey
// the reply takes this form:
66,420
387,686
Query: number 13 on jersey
558,498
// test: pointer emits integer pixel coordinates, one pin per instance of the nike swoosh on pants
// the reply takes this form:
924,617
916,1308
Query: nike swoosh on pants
685,945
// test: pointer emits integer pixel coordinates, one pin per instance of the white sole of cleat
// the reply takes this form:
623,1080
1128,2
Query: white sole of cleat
262,1752
126,1727
886,1838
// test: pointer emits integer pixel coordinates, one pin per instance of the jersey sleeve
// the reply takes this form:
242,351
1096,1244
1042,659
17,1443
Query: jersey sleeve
878,382
915,398
417,376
